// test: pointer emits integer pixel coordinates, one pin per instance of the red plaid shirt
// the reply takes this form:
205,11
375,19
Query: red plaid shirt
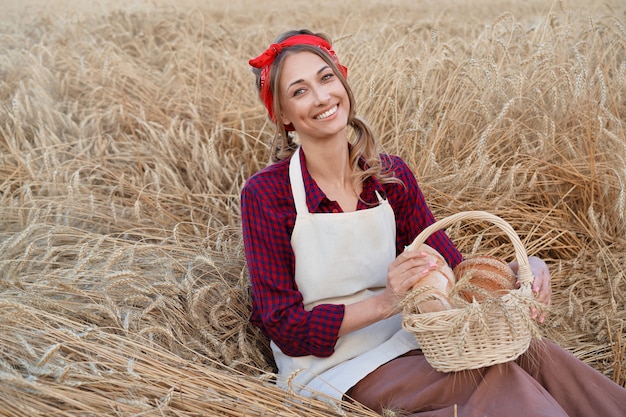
268,215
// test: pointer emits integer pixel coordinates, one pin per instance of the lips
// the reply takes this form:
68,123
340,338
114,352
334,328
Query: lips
327,113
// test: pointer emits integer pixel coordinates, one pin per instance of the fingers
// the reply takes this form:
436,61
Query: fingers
407,269
542,287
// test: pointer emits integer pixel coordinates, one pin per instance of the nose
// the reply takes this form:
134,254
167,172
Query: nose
321,94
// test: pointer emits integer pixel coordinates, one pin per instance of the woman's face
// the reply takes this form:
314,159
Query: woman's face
312,97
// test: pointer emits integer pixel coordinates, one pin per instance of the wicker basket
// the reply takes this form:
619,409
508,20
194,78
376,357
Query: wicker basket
477,334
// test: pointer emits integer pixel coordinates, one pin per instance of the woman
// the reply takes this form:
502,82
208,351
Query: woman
324,230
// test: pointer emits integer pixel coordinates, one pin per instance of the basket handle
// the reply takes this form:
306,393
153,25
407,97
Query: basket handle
524,272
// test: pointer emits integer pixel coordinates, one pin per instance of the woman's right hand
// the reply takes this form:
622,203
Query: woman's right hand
403,273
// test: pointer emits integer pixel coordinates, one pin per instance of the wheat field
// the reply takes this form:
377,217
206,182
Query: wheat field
127,130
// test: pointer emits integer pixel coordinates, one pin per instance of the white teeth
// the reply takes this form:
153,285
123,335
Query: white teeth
327,113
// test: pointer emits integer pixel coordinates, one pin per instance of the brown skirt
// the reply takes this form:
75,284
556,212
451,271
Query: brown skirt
545,381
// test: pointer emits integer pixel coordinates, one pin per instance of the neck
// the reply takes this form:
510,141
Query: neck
328,163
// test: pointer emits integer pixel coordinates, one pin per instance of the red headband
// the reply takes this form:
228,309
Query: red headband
266,59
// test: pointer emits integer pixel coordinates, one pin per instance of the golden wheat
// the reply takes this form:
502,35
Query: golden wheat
126,133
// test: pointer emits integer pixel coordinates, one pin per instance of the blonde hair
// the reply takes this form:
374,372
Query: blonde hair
364,143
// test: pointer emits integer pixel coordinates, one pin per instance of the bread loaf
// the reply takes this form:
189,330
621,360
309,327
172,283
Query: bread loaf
440,281
481,277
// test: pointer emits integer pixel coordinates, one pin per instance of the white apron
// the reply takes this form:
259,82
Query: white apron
342,258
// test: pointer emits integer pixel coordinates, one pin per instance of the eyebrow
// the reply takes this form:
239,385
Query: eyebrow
301,80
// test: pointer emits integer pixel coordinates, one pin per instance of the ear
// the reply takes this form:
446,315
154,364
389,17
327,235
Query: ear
285,120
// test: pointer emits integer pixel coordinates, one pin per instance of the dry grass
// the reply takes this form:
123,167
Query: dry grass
126,135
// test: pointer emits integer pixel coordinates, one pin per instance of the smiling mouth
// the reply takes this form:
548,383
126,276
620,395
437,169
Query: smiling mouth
327,113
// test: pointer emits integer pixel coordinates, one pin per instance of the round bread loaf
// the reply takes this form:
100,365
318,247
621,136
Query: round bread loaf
440,281
482,277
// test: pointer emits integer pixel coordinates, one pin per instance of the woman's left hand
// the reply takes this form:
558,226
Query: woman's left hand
542,287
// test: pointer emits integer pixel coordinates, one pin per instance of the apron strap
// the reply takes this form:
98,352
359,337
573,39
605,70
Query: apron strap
297,183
